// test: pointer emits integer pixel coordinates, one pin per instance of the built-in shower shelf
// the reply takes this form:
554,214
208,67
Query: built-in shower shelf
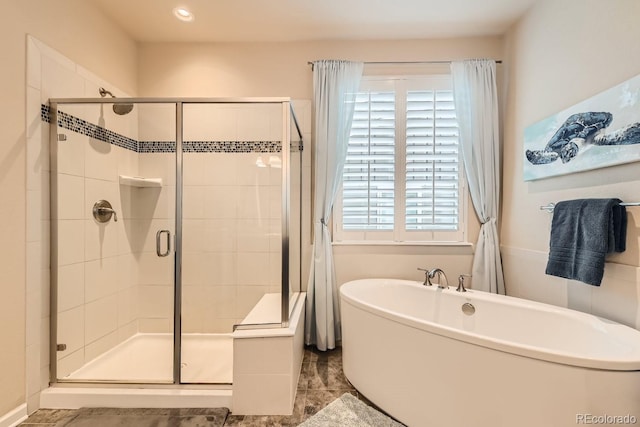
139,181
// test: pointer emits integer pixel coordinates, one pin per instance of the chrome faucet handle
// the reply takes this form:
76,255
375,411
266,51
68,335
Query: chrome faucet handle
461,287
110,210
426,282
103,211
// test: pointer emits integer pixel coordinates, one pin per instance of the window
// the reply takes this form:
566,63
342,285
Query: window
402,180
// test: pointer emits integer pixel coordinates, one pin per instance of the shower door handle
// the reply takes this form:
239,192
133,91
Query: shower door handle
158,241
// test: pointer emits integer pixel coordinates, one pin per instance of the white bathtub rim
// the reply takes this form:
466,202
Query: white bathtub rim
630,363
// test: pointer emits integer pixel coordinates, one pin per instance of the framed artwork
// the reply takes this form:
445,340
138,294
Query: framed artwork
601,131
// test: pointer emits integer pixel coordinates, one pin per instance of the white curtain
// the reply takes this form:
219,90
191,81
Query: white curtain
335,84
476,102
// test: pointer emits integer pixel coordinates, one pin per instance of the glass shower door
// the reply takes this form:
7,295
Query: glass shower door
113,215
231,227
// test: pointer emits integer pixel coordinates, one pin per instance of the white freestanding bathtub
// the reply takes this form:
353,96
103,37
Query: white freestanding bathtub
412,351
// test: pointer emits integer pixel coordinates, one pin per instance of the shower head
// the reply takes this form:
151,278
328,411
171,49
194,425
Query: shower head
120,109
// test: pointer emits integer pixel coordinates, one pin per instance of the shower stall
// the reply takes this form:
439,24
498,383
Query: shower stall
175,225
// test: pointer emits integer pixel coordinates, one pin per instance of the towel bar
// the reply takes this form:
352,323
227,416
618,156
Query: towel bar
549,208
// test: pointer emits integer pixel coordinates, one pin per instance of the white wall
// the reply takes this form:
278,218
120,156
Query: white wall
279,69
559,54
85,35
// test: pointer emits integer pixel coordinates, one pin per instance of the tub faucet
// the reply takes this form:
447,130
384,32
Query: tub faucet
440,274
426,276
461,287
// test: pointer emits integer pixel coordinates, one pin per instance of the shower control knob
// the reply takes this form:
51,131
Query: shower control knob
102,211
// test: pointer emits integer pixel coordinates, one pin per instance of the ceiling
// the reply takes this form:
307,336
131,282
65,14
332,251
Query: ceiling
304,20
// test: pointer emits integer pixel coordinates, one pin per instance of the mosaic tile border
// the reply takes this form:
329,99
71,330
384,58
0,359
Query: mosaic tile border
216,147
156,147
83,127
232,146
75,124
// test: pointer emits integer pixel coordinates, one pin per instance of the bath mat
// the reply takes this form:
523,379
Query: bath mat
348,411
146,417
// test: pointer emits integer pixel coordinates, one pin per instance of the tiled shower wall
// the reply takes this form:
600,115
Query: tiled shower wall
97,289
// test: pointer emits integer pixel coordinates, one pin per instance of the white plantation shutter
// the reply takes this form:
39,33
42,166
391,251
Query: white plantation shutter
368,177
402,177
432,174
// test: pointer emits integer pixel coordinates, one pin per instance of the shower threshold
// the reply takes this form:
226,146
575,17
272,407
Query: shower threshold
186,396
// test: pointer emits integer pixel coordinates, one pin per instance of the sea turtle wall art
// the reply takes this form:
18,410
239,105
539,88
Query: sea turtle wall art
601,131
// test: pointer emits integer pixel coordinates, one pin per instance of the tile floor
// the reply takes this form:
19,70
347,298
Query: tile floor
321,381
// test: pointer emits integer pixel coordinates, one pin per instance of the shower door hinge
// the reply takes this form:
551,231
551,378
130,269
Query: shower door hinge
61,347
62,137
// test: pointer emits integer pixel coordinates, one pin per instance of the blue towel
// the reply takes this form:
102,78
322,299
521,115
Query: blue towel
583,232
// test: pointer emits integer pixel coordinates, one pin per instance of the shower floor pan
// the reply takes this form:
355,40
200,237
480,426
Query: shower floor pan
148,358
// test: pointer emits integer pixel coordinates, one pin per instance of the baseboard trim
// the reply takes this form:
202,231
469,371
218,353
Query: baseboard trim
14,417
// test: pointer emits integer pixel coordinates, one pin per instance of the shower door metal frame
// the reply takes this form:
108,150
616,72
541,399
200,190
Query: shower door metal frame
177,267
287,116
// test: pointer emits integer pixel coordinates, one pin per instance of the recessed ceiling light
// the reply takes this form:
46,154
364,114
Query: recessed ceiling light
183,14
